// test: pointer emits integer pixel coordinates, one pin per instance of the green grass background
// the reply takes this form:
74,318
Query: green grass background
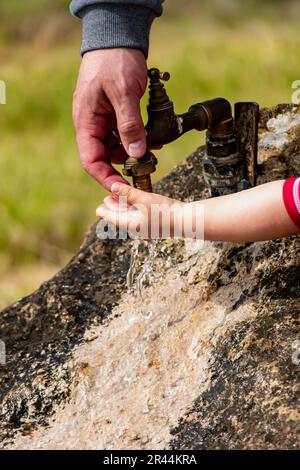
240,50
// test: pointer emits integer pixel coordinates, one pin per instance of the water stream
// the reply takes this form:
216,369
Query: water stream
137,281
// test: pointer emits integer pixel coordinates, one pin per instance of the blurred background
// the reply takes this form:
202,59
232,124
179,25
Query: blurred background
246,50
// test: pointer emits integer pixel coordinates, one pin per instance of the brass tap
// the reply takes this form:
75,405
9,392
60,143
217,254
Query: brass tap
230,140
165,126
140,169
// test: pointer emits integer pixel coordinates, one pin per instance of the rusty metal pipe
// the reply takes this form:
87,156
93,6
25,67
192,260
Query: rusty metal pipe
165,126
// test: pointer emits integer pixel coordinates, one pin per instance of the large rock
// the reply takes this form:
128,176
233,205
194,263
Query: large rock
163,344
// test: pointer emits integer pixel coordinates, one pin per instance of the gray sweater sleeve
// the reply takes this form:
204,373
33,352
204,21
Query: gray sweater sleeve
116,23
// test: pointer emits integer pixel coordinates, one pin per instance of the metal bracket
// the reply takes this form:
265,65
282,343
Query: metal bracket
246,131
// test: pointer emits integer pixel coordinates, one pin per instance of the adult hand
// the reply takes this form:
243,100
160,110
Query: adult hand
110,85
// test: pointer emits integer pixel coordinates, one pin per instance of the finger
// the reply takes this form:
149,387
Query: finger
129,122
92,128
94,163
111,202
115,151
132,195
138,197
116,204
90,136
114,217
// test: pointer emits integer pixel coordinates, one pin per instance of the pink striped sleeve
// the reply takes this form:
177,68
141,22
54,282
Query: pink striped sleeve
291,198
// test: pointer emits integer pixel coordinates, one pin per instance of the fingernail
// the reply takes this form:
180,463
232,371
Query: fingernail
115,187
136,149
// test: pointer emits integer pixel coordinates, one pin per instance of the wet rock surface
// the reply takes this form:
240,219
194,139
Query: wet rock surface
163,344
252,400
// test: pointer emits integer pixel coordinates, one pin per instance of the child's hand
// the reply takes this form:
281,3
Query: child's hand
147,215
258,213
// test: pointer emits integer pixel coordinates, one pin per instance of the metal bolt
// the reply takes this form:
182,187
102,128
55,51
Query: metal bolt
140,169
157,74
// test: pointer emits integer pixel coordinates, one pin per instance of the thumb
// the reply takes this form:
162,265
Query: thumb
126,191
133,195
130,125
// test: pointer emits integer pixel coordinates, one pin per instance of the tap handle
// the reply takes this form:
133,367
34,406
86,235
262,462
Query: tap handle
156,75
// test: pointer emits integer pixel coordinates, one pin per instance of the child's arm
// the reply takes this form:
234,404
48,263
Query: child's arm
255,214
262,213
